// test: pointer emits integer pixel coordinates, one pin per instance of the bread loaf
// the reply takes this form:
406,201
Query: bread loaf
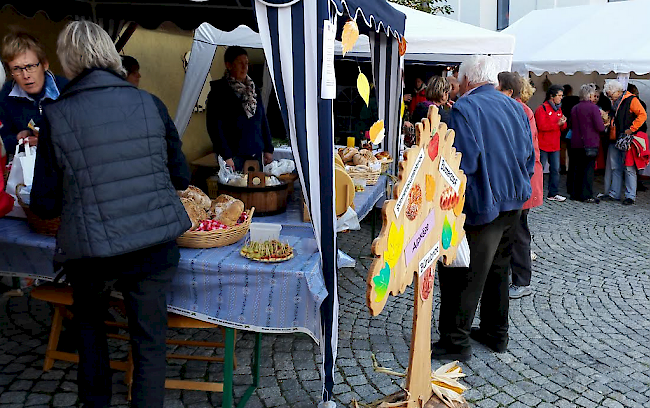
359,159
194,211
223,198
228,212
348,154
199,197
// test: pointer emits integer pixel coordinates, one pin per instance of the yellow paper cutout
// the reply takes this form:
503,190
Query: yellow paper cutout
395,245
363,87
350,36
454,235
377,132
430,187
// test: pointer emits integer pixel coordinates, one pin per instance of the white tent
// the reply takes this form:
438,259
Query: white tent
600,38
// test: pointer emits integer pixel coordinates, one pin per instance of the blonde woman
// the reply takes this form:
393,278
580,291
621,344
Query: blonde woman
437,93
109,163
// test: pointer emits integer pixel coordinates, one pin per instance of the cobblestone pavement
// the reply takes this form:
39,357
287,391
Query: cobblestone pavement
581,340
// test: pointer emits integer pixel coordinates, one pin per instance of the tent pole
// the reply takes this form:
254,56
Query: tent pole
126,36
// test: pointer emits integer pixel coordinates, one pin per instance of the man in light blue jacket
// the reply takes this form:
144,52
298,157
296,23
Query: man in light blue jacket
493,134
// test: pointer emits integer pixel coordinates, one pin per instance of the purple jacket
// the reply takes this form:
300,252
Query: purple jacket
586,125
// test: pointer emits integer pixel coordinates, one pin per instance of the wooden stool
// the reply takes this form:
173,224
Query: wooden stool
61,298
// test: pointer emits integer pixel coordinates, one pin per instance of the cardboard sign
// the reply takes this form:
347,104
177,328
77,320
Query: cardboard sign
420,237
449,175
403,195
429,258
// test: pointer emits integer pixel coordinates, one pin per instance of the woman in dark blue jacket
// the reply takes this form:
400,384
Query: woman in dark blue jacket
236,119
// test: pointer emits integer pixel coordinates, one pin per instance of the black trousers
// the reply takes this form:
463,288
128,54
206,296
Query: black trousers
486,278
143,277
582,175
520,264
571,172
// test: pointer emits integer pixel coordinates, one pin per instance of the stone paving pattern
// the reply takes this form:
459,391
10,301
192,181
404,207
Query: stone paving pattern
581,340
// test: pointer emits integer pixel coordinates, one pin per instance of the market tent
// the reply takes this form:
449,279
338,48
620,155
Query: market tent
575,43
292,33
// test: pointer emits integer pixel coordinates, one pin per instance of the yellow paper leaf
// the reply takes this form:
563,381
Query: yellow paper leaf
377,132
430,187
401,112
395,245
350,36
363,87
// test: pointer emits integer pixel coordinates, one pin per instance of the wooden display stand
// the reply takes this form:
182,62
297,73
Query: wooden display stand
421,224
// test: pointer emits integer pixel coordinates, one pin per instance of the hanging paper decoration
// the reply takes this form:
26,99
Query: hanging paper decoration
402,47
377,132
350,36
363,86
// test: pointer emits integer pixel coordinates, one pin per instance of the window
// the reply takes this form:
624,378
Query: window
503,14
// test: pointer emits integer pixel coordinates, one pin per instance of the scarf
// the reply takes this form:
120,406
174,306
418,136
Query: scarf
245,91
554,106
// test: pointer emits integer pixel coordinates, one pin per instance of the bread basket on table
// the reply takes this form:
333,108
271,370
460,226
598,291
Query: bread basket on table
216,238
36,223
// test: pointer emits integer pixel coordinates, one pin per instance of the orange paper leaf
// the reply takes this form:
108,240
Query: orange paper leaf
377,132
350,36
402,47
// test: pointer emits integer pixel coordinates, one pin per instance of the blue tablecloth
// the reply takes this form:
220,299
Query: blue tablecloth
363,203
216,285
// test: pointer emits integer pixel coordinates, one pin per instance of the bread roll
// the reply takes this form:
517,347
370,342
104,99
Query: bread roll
198,196
229,212
359,159
223,198
348,154
194,211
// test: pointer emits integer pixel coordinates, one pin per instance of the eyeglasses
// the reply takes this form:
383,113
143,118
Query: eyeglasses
29,68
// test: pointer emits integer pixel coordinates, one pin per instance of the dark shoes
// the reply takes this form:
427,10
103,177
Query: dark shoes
442,350
607,197
592,201
628,201
495,344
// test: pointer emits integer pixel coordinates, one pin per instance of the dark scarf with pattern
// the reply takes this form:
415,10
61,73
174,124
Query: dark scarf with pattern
246,93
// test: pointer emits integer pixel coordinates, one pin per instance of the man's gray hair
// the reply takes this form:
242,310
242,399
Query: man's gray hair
586,91
478,69
85,45
612,86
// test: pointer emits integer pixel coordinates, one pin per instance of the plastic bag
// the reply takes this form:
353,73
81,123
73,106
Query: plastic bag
22,169
227,176
462,255
280,167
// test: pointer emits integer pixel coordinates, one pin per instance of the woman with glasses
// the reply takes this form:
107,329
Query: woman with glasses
31,86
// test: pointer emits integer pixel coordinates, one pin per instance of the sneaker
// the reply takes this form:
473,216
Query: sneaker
442,350
628,201
493,343
600,195
533,256
607,197
557,197
516,292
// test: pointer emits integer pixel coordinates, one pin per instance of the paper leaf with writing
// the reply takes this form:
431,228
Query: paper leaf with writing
363,86
377,132
429,234
350,36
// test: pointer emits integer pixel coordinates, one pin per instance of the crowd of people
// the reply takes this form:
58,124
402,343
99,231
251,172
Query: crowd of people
504,146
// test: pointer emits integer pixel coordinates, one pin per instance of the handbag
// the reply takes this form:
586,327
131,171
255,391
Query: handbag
623,142
591,151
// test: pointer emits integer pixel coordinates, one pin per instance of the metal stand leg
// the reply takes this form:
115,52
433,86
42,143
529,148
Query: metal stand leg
228,362
228,369
255,370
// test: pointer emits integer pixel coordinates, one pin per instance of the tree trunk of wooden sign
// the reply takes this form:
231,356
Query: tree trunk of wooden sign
418,377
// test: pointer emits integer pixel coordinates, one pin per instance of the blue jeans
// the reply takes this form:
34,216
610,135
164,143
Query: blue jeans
553,158
620,170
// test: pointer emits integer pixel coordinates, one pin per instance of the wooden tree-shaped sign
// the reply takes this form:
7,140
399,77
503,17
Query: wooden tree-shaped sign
422,223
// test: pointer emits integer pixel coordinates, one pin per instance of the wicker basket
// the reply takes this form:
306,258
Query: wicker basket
385,165
216,238
37,224
371,177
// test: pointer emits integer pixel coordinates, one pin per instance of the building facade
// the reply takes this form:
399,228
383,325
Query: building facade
499,14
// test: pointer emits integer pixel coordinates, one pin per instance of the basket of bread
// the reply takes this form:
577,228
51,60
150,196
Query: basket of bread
361,164
385,160
215,223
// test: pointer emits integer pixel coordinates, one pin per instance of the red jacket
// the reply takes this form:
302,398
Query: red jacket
549,130
639,153
537,181
420,96
6,201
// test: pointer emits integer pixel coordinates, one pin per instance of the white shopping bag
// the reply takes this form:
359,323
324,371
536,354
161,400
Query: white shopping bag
22,172
462,255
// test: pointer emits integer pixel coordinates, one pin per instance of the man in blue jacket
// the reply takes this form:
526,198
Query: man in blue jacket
494,137
32,85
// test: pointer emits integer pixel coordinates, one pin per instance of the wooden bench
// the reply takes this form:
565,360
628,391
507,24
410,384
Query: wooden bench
60,297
